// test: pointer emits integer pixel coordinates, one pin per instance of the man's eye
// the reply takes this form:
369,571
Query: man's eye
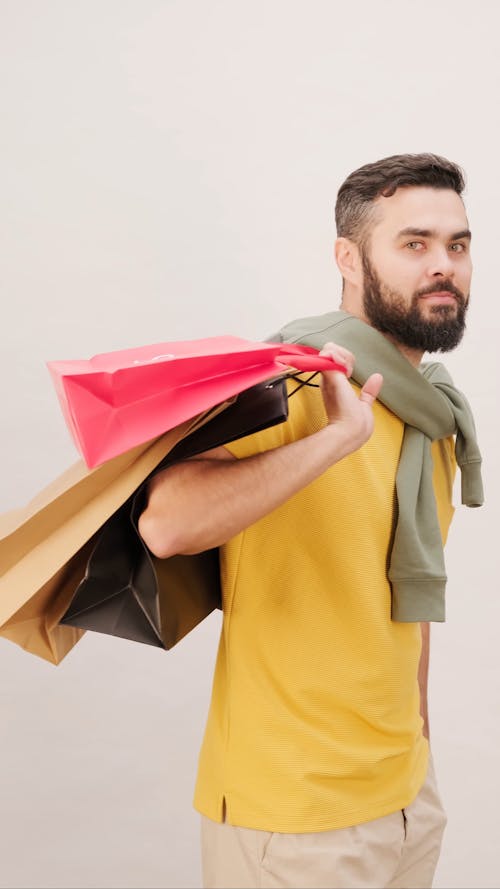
415,245
457,248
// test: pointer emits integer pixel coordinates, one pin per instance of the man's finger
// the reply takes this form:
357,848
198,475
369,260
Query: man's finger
340,355
371,389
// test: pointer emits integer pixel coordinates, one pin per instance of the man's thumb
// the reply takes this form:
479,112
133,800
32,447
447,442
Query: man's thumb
371,389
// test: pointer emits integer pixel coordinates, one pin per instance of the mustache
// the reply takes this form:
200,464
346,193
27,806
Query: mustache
445,286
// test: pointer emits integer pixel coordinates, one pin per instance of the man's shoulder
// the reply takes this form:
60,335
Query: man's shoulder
295,330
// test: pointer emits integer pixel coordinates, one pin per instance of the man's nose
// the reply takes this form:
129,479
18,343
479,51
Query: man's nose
441,264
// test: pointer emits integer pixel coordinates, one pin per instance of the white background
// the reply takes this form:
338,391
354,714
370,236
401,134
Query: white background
169,171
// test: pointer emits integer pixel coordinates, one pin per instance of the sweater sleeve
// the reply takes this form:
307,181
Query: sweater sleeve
444,471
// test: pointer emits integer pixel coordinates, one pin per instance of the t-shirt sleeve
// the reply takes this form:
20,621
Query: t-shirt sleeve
258,442
306,414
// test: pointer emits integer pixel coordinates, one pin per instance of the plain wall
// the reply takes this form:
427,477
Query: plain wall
169,171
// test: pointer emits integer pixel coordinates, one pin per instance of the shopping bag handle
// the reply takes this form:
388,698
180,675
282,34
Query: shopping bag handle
306,358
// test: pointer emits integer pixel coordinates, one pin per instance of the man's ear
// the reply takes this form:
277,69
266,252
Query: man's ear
348,259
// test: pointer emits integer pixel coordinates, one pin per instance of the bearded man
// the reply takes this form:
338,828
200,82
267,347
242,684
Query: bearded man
315,769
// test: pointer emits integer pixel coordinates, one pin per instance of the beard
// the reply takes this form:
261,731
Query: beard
388,311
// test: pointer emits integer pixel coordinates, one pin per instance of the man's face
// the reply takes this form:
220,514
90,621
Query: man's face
417,268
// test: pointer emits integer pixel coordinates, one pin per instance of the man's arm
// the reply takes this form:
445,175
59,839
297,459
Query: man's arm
423,676
203,502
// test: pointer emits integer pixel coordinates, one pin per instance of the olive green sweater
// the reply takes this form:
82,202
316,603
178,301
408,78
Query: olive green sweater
431,408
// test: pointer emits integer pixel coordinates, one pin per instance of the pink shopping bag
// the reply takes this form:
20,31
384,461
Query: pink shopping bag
117,400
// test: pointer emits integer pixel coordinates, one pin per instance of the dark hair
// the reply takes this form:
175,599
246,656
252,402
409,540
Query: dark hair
354,206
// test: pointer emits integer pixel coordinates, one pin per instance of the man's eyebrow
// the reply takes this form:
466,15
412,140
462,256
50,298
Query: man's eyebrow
459,236
430,233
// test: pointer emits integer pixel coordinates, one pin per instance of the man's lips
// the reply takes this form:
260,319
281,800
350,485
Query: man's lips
439,296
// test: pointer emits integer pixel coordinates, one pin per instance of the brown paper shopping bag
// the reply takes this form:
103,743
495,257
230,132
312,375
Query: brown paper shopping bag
45,546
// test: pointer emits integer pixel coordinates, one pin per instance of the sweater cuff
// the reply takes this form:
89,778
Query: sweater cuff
472,484
418,600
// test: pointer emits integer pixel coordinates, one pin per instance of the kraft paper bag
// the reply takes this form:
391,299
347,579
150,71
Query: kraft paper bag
45,546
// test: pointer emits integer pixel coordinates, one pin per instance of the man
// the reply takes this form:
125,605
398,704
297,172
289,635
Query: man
315,768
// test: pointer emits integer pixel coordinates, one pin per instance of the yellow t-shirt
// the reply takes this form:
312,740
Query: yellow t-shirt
314,721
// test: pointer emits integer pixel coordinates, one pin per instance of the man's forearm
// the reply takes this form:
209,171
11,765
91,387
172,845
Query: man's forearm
423,676
202,503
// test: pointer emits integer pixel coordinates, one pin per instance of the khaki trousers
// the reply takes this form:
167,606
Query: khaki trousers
398,851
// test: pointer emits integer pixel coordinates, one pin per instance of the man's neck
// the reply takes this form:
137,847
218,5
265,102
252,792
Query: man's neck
414,356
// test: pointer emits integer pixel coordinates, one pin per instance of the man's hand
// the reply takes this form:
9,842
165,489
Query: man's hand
351,414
